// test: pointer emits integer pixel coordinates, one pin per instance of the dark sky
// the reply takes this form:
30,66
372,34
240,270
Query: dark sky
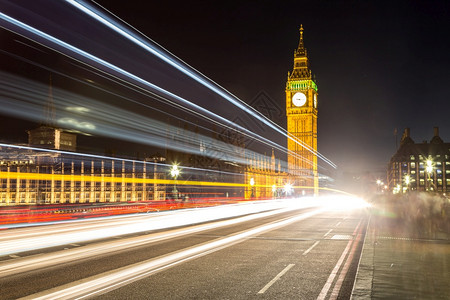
379,65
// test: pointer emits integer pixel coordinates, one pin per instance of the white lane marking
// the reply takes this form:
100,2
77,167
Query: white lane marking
327,286
108,281
337,286
327,232
75,245
14,256
310,248
275,279
338,223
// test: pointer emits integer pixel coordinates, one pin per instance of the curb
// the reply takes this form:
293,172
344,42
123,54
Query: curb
362,288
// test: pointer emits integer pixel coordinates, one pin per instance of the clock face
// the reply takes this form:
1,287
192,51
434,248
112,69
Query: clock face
299,99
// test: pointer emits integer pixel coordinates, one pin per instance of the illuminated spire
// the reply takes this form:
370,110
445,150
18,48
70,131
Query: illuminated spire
301,64
301,51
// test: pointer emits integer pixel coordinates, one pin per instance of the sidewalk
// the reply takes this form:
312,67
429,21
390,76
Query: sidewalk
401,261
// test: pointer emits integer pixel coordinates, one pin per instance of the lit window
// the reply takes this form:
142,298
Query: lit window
413,165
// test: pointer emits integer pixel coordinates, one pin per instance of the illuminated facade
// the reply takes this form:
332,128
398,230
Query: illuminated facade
67,178
301,111
420,166
264,178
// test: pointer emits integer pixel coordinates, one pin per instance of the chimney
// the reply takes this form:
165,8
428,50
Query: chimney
436,131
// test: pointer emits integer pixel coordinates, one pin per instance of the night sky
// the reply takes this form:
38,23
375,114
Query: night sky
379,65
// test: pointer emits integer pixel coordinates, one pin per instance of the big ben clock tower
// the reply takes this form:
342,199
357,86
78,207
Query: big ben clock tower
301,111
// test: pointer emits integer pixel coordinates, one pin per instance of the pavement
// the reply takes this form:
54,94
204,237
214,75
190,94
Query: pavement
403,258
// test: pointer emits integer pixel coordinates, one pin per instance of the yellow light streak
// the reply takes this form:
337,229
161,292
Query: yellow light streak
88,178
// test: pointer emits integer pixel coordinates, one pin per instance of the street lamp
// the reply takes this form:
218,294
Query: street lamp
252,183
274,191
407,182
379,185
429,169
175,172
288,189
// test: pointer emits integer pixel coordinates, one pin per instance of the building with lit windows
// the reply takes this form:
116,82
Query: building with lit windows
30,176
301,111
264,178
420,166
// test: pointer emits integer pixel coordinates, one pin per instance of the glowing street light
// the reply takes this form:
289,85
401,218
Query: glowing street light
379,185
288,189
407,182
429,169
252,183
175,172
274,190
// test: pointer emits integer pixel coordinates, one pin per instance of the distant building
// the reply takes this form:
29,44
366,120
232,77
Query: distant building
264,178
52,138
420,166
30,176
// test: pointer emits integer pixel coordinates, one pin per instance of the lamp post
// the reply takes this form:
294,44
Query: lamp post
407,182
379,185
429,169
175,172
252,183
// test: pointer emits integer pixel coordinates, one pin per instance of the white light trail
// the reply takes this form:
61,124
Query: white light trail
101,17
168,95
35,238
108,281
8,268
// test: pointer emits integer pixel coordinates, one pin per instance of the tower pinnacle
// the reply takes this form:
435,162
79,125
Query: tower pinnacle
301,51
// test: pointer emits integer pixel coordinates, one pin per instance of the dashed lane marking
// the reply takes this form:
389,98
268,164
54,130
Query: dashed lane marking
275,279
310,248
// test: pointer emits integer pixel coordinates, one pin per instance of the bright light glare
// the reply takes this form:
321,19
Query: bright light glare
288,189
342,202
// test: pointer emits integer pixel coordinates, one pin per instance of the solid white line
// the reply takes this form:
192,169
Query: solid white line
327,286
338,223
310,248
327,232
275,279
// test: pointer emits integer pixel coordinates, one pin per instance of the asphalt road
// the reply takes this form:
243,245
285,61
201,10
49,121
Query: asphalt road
307,253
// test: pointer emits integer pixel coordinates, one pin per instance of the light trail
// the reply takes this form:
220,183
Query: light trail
101,17
116,69
28,239
24,99
107,281
102,157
